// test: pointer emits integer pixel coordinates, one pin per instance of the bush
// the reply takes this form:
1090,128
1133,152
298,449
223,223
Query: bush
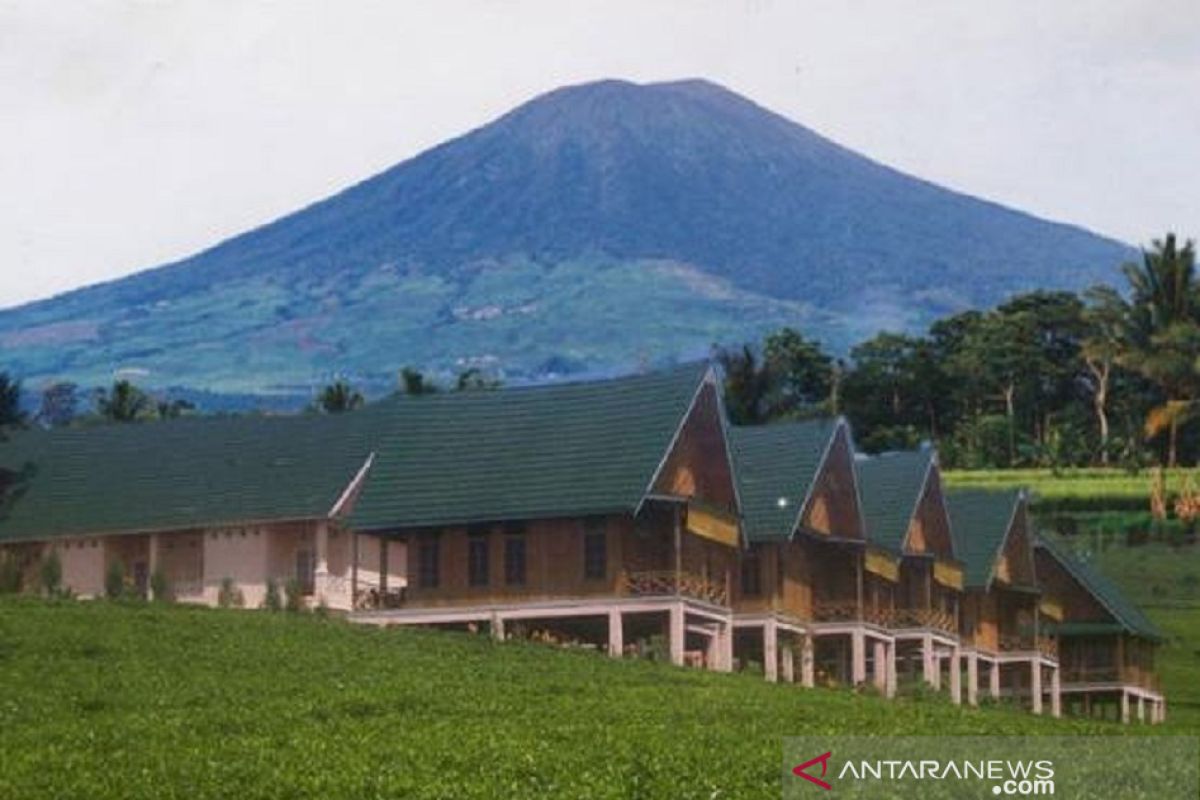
51,574
160,588
271,600
10,574
295,596
114,581
229,595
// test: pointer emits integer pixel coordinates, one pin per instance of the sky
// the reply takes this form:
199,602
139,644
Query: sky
136,133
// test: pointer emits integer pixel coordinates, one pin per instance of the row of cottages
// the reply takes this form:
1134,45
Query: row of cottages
623,515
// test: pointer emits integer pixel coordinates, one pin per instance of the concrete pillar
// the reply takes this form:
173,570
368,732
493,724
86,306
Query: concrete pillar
858,657
616,633
675,634
928,665
879,656
787,664
725,644
1035,685
994,680
321,562
1056,692
1125,707
152,565
956,676
807,662
497,625
889,688
1141,707
973,678
771,650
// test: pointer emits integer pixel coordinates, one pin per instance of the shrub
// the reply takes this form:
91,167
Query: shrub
295,596
271,600
114,581
229,595
10,574
51,574
160,587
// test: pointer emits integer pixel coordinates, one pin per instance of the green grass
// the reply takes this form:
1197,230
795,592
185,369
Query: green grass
1079,489
1179,664
139,701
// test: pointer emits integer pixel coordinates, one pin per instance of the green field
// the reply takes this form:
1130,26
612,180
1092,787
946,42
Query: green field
103,700
1081,488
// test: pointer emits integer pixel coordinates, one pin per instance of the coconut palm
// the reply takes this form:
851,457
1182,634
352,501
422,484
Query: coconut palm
339,397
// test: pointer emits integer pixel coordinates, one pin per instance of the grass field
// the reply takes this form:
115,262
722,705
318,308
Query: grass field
103,700
1090,488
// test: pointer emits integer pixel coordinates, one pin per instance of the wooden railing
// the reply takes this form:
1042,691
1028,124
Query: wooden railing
836,611
901,618
1045,645
667,583
1112,674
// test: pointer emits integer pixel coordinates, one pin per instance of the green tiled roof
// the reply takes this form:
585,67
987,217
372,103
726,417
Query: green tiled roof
773,463
536,452
980,519
1124,613
891,486
178,474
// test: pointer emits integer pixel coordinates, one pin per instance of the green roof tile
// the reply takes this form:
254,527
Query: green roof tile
979,520
178,474
535,452
1124,613
777,462
891,485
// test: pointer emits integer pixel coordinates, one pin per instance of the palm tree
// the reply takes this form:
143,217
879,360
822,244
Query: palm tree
338,397
1164,341
124,402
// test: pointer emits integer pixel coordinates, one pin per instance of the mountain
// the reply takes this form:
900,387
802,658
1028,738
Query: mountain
592,229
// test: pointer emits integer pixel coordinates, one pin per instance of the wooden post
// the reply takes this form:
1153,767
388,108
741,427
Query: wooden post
675,634
890,686
497,626
321,558
858,577
928,668
771,650
152,566
1141,707
725,643
1056,692
956,676
353,570
807,662
994,680
616,633
787,666
383,565
678,542
1125,707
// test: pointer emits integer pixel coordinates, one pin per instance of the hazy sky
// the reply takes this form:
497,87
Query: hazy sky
134,133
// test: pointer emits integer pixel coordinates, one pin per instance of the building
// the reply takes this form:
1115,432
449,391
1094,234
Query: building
1106,645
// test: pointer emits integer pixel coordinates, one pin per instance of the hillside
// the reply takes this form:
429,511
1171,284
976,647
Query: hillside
139,701
592,229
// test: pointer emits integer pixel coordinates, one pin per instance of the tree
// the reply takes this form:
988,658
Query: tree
746,385
1164,340
339,397
413,382
1106,318
173,409
11,415
800,374
124,402
59,403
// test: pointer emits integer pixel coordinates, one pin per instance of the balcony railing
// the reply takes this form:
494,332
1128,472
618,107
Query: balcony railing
1112,674
1024,643
895,618
668,583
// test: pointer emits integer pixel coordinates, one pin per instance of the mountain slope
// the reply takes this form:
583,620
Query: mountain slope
592,228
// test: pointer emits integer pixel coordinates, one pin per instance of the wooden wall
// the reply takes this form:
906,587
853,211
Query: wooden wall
833,509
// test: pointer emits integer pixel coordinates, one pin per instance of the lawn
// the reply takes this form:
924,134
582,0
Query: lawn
103,700
1077,488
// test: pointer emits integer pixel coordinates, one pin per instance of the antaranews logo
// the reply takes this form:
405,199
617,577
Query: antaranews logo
823,760
1019,778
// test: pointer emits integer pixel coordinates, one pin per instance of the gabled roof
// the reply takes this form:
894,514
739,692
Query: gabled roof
980,520
536,452
775,463
1127,615
178,474
892,485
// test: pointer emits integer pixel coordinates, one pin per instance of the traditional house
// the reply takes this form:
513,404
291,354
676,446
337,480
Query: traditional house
602,513
1001,622
906,518
809,574
1106,645
204,502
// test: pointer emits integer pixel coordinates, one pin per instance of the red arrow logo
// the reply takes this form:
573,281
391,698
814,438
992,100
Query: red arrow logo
823,761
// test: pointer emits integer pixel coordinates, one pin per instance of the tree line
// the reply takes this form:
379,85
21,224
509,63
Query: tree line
1047,378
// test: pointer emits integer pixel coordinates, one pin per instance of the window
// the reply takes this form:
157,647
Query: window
477,557
751,574
595,550
427,563
514,560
